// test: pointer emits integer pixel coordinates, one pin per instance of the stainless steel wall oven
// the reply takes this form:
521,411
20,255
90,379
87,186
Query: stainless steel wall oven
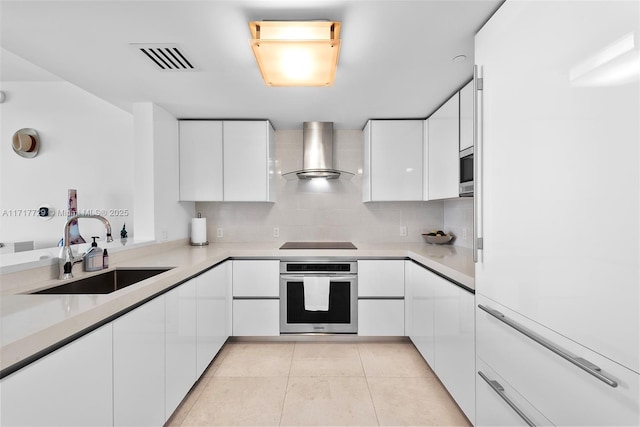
332,287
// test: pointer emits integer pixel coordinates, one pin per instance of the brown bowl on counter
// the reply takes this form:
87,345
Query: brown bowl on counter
438,240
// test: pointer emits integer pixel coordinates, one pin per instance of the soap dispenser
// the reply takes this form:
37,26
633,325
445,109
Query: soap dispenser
93,257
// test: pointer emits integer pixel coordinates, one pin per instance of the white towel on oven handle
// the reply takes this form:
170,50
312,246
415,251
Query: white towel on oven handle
316,293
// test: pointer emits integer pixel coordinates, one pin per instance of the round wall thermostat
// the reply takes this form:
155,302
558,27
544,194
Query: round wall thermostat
46,212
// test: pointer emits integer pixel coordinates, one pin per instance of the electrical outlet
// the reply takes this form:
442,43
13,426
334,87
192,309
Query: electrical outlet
164,234
276,232
220,232
403,231
464,233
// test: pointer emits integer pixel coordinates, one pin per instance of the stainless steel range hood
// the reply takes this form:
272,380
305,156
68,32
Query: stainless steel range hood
317,154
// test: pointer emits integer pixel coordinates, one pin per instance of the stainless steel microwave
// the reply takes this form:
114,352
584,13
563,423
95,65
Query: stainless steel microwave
466,173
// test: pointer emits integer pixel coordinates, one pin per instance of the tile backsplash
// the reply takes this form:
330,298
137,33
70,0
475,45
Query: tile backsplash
327,210
458,219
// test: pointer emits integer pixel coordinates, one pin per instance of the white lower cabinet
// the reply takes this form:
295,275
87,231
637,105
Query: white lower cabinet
381,317
180,332
442,327
138,365
163,346
213,314
70,387
562,391
133,371
454,342
256,278
381,278
381,297
256,298
420,306
256,317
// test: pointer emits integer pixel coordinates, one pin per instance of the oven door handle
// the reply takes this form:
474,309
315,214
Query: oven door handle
299,277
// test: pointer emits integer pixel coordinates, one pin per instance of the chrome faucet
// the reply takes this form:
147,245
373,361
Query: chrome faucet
66,258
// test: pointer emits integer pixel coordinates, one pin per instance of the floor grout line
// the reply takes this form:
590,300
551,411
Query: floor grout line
366,379
286,387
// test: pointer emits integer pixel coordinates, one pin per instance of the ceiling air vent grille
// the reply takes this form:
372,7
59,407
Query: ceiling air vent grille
166,57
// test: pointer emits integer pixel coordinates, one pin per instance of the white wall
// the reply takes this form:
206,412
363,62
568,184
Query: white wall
143,173
317,210
159,215
85,144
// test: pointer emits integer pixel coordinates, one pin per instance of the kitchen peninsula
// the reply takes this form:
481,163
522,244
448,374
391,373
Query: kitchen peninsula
37,328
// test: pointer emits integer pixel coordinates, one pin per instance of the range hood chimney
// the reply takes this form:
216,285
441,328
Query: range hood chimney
317,153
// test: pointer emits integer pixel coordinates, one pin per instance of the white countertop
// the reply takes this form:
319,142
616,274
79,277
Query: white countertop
32,323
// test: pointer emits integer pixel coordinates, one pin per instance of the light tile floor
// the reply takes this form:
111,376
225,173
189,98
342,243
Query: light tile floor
305,383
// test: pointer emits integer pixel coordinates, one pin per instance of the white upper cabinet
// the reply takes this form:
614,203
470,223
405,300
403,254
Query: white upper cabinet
227,161
393,167
466,116
248,161
443,145
200,160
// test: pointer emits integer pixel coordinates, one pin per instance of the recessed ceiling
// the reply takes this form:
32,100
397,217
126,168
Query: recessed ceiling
395,59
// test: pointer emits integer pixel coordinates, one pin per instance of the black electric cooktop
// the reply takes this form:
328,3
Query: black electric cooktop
318,245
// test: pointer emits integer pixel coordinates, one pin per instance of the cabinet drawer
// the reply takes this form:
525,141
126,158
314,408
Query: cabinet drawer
256,278
563,392
381,278
256,317
378,317
498,404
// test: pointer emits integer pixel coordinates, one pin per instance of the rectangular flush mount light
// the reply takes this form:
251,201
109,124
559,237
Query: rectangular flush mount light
296,53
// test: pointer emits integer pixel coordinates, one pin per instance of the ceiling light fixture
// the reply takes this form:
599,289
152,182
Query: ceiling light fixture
296,53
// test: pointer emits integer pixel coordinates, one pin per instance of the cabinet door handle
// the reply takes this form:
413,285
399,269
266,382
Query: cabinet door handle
497,387
477,163
580,362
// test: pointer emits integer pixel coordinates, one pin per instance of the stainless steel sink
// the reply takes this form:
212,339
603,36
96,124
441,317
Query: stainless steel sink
104,283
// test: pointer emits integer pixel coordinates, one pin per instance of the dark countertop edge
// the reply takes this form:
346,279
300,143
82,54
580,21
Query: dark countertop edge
437,273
